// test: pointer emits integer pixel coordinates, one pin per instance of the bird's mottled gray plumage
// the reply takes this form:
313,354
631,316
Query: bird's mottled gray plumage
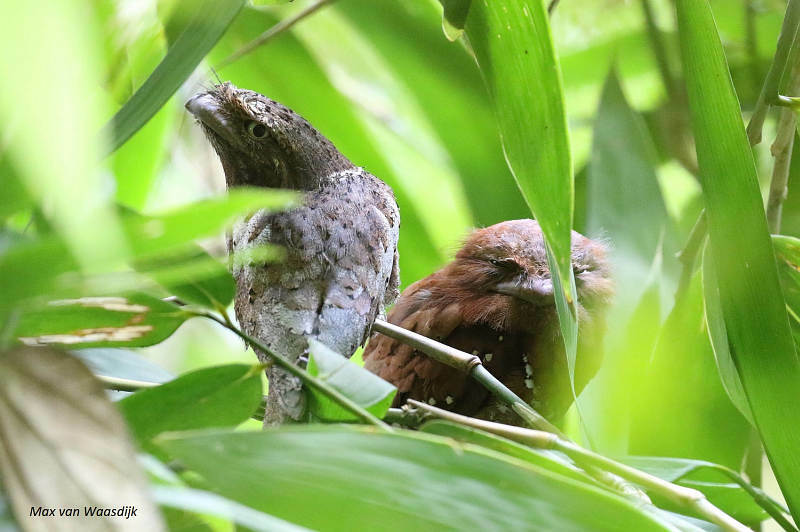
340,268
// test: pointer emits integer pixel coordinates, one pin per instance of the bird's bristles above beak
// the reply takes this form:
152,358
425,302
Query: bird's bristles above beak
538,292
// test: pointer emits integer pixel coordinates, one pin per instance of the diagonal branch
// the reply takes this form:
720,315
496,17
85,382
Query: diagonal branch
467,363
688,498
271,33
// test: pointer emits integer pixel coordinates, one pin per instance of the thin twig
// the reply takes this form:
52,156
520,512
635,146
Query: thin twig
467,363
690,499
769,91
125,385
303,375
271,33
782,152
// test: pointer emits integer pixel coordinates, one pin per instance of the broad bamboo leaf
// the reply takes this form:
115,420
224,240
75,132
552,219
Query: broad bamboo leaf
110,321
209,20
752,306
624,199
514,49
360,385
63,445
363,480
207,503
222,396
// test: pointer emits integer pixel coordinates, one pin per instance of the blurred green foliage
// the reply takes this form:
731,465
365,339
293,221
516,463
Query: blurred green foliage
467,133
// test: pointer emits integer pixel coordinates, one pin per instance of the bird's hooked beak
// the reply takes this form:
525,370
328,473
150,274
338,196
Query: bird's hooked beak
539,292
207,110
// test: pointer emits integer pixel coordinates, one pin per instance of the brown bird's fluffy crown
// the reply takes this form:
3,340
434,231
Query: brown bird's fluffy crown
262,142
501,272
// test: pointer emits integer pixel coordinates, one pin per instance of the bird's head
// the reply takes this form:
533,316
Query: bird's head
261,142
510,258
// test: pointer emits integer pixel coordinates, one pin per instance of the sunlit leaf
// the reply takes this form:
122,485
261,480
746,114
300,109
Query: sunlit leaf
360,479
193,276
681,394
751,303
515,52
362,386
63,444
60,176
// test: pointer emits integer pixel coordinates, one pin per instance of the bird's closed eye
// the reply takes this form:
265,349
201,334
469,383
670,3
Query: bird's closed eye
256,130
509,264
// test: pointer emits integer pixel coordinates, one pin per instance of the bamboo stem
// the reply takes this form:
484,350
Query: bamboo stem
688,498
769,91
782,152
467,363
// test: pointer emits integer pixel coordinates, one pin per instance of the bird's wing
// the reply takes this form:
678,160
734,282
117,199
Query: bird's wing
413,373
340,247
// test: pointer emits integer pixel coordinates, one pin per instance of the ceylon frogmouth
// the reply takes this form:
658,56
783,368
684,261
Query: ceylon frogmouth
341,244
495,300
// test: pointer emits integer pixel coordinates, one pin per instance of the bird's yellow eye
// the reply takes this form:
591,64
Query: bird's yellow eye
257,130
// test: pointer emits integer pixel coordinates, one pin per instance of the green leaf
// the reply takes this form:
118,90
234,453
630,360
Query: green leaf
752,306
63,444
454,16
166,232
362,386
207,503
30,268
62,175
514,49
208,21
121,364
624,199
787,253
193,276
112,321
681,394
222,396
551,460
363,480
728,490
15,197
449,91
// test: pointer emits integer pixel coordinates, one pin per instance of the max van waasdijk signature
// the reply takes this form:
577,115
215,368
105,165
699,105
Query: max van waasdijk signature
88,511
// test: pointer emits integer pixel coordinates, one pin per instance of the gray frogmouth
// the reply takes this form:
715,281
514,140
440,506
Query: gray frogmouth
341,266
